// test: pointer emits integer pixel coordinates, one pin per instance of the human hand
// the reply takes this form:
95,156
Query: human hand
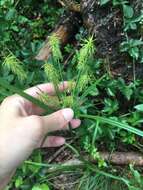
22,129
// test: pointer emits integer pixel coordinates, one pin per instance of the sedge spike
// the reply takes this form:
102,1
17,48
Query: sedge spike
51,73
83,81
85,53
15,66
51,101
55,48
53,76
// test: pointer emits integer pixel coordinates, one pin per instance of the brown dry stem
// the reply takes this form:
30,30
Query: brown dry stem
116,158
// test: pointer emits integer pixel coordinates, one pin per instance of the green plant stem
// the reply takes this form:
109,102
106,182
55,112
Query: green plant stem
95,132
85,93
53,168
72,148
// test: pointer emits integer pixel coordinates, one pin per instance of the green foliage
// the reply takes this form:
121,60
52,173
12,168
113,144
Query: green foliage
85,53
55,48
41,187
132,47
24,26
52,74
114,2
13,64
135,182
139,107
103,2
110,108
131,22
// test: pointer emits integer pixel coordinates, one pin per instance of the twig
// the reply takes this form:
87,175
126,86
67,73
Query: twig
116,158
55,155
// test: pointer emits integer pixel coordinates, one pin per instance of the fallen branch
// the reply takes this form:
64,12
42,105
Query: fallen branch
116,158
64,31
70,5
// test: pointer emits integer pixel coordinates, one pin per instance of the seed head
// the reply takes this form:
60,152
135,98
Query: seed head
85,53
15,66
55,47
51,73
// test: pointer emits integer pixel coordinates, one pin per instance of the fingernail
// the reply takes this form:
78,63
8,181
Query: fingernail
68,114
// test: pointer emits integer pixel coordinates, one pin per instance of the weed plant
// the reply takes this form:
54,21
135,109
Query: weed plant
95,95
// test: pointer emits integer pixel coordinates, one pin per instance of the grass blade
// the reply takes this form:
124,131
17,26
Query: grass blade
114,123
14,89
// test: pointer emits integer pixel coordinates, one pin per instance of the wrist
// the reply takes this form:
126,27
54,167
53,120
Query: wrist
4,180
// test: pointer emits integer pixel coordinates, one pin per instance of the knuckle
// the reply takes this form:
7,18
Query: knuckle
6,100
11,100
51,141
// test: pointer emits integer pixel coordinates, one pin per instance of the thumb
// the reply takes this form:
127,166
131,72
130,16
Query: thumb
58,120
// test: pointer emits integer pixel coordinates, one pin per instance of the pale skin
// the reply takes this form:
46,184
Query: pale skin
22,129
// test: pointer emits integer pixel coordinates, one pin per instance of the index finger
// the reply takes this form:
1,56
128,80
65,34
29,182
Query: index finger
46,88
21,106
36,90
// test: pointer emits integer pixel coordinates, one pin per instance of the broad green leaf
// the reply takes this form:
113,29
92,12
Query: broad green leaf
10,14
18,182
36,188
45,187
139,107
41,187
134,52
135,42
128,11
103,2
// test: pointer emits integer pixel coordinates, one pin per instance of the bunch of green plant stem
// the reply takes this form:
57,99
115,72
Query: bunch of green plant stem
52,67
84,70
83,87
54,71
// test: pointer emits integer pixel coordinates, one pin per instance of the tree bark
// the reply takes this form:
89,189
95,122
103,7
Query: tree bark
116,158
